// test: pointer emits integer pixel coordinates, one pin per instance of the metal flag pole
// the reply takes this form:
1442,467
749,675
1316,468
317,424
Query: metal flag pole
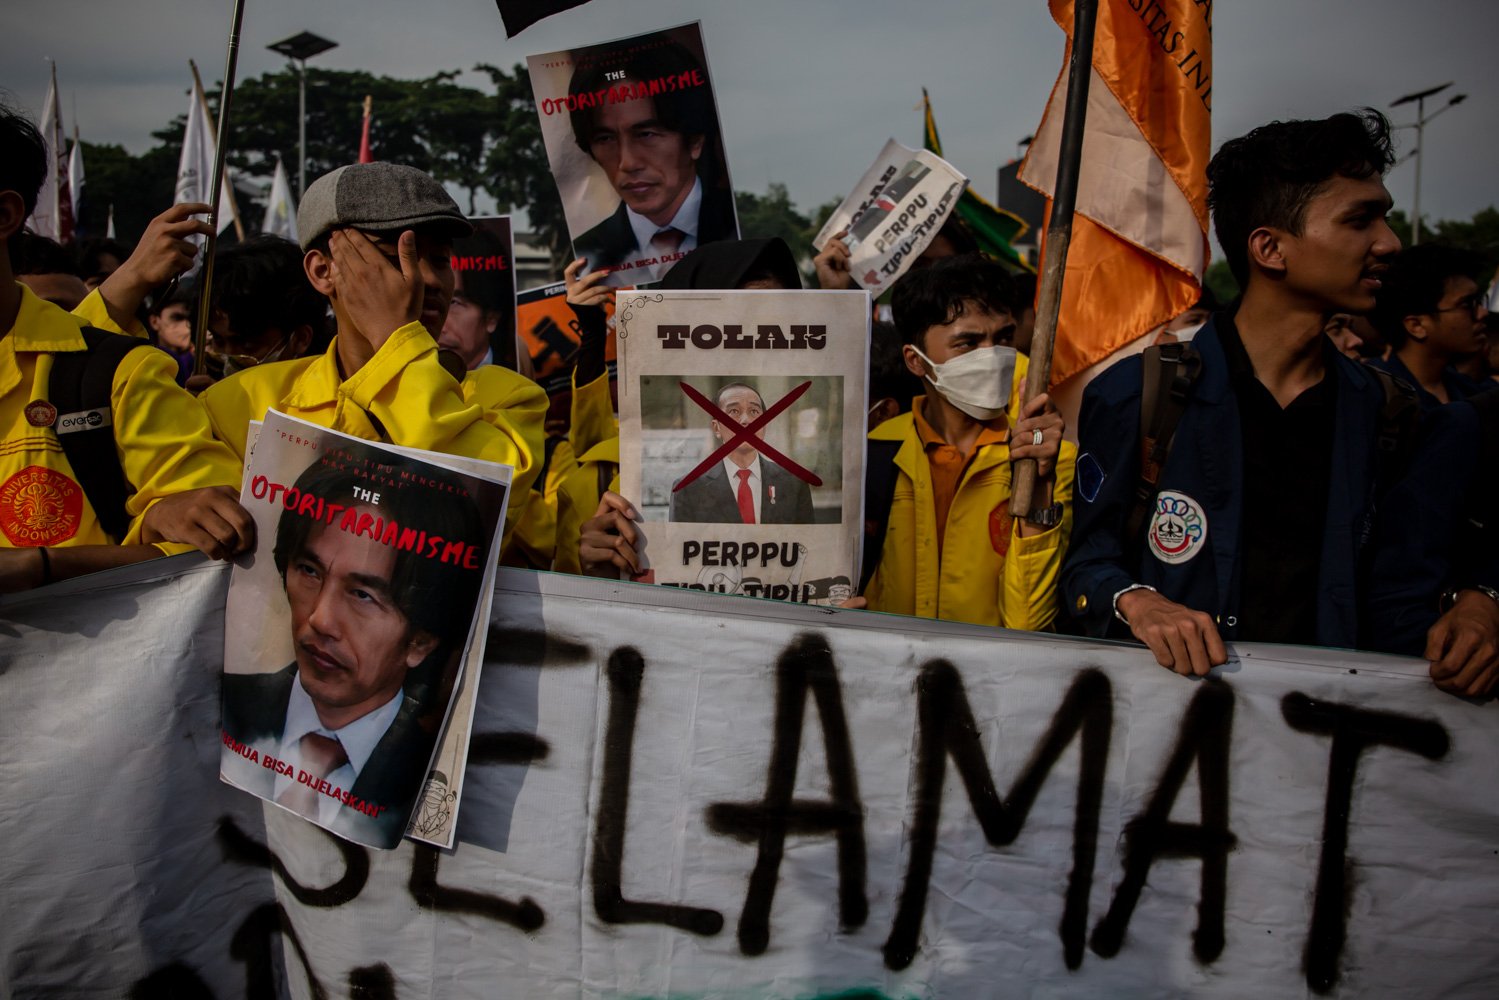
239,226
205,274
1058,232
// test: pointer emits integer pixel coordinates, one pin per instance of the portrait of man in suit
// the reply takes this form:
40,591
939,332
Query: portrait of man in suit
377,628
662,154
746,487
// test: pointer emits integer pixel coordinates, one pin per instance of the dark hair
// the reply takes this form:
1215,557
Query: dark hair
957,233
688,110
91,252
1414,284
1025,290
1266,178
486,286
738,385
36,254
939,294
889,378
726,264
260,284
23,157
435,596
184,293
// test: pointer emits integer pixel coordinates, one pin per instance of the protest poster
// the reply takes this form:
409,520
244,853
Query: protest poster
631,129
350,624
894,213
742,423
481,327
549,334
673,794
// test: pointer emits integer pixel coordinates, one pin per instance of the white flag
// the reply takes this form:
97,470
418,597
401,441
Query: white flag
195,169
47,218
109,227
75,175
280,210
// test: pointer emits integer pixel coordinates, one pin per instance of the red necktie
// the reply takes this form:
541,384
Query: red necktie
667,241
746,498
321,756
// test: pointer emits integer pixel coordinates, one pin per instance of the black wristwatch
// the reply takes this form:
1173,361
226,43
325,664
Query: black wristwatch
1046,517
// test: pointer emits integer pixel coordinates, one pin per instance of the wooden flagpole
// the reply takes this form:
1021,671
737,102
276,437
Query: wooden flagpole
1058,232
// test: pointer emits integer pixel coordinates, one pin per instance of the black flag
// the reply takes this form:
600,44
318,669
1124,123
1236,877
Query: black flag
519,15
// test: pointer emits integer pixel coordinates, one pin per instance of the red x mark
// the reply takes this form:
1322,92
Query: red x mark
747,433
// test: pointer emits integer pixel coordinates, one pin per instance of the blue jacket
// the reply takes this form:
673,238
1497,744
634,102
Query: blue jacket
1426,541
1205,467
1458,385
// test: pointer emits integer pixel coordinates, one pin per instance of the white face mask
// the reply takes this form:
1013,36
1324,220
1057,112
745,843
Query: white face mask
978,382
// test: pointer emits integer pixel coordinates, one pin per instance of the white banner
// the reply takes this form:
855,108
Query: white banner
675,794
741,436
894,213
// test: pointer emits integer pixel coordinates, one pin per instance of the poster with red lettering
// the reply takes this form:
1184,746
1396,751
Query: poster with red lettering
742,417
354,627
480,328
632,133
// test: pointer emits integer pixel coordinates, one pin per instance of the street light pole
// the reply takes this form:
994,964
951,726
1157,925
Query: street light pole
1420,126
302,132
300,48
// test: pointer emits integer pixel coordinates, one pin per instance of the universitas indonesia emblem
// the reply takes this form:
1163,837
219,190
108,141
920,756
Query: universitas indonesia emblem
40,506
1178,528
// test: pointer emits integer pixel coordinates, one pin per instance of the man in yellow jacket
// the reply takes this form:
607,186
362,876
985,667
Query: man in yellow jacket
377,239
950,548
177,484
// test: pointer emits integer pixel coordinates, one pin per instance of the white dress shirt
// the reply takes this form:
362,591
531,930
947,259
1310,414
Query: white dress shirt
358,739
685,221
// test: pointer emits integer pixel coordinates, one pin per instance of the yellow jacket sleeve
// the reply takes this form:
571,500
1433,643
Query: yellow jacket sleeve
593,419
1033,568
163,438
93,312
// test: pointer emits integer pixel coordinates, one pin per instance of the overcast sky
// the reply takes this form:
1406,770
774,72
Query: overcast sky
809,90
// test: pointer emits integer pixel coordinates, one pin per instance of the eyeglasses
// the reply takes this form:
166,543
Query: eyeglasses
1469,304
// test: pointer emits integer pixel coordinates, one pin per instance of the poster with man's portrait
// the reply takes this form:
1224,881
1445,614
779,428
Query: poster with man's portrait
480,328
742,423
632,133
349,628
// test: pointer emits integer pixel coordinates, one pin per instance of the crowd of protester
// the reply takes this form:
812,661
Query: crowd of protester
1303,464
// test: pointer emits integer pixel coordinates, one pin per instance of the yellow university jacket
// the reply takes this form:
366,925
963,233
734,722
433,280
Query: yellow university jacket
987,574
402,396
594,435
161,435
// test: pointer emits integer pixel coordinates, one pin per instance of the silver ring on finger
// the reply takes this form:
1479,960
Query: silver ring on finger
1037,437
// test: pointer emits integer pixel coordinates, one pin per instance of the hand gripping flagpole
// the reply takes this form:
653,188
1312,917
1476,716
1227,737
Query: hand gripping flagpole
1058,232
205,274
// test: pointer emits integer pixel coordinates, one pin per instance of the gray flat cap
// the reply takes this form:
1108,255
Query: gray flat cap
378,196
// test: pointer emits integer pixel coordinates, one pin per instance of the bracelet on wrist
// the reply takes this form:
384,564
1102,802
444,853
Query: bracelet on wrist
1126,590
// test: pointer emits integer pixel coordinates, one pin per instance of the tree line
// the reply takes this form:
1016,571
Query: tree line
479,141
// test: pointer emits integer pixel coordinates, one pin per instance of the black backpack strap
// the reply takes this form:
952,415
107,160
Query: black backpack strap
80,389
880,475
1166,380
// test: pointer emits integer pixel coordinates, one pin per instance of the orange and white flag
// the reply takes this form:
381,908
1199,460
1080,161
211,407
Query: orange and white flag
1139,238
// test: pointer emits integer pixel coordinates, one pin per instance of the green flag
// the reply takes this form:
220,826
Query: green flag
993,228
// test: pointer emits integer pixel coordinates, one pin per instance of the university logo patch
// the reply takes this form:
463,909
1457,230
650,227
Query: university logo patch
40,413
40,506
1178,528
1001,526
